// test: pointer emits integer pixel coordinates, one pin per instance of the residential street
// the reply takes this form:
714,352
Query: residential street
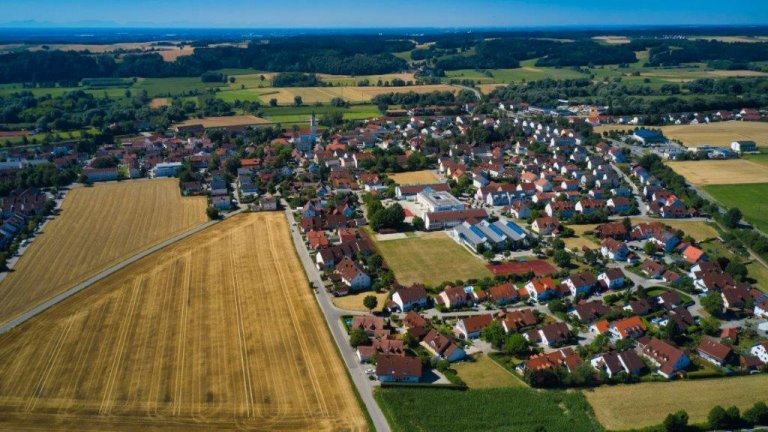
333,317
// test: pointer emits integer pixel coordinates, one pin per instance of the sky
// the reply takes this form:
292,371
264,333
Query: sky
379,13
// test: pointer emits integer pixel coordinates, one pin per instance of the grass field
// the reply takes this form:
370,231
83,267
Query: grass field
720,134
486,373
354,302
414,177
509,409
240,120
431,259
527,71
98,227
624,407
721,172
218,331
751,199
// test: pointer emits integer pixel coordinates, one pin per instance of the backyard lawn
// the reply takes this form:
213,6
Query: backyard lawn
486,373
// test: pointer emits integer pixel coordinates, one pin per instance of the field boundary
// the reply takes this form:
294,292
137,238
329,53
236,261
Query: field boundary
103,274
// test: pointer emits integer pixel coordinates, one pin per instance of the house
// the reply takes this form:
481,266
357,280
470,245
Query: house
614,363
552,335
352,275
221,202
471,327
668,358
410,298
380,346
744,146
443,347
612,278
546,226
581,283
628,328
561,209
517,319
761,351
761,309
541,289
619,204
640,307
614,249
714,352
395,368
317,239
415,325
166,169
669,300
503,294
566,358
100,174
614,230
452,297
652,269
692,255
589,311
736,296
371,324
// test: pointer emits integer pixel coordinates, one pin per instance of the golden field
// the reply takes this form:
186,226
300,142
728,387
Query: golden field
636,406
98,227
217,331
720,134
414,177
720,172
226,121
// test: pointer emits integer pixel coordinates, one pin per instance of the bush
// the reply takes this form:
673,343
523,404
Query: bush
676,422
358,337
757,415
213,213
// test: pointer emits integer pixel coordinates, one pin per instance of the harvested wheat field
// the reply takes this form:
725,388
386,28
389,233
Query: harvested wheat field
635,406
414,177
98,227
711,172
310,95
217,331
227,121
720,134
159,102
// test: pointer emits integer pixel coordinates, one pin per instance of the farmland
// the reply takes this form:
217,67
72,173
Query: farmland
310,95
720,134
184,340
486,373
414,177
213,122
721,172
749,198
98,227
431,259
512,409
621,407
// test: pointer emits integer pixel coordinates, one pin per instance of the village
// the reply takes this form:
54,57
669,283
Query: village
582,272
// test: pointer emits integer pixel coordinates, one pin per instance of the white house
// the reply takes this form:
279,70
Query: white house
409,298
352,276
612,278
761,351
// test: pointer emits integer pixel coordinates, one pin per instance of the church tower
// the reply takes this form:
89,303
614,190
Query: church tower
313,126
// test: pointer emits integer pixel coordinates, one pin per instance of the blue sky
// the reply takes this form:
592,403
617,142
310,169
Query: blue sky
383,13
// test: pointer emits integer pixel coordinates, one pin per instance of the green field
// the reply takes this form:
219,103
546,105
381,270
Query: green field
482,372
751,199
526,72
509,409
431,259
75,134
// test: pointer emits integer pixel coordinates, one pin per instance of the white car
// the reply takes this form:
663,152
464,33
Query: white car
369,371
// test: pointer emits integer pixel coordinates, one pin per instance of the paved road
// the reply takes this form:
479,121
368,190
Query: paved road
333,318
117,267
641,204
473,90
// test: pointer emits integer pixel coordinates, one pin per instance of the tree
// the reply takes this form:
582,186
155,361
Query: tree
590,256
677,422
710,326
671,331
493,333
650,248
297,101
212,212
758,414
627,224
717,418
418,223
370,302
712,303
736,269
732,217
273,102
562,258
516,345
358,337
